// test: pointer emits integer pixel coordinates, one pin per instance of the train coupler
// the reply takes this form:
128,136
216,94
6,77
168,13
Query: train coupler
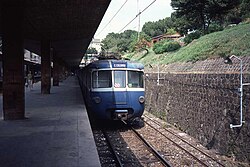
121,114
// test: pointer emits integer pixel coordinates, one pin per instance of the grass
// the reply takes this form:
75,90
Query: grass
150,58
234,40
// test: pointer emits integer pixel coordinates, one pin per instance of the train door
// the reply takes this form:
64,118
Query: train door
120,89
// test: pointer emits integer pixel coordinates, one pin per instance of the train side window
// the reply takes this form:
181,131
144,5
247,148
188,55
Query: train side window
135,79
101,79
120,79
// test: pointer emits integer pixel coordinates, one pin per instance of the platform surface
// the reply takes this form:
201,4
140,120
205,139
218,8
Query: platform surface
56,133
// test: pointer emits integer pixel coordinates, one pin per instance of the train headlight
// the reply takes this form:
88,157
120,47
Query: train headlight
141,99
97,99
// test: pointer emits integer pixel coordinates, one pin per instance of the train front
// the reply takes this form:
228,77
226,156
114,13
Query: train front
118,92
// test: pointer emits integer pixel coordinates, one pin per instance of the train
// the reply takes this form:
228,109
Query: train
113,89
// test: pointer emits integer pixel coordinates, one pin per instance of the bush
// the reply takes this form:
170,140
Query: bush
187,39
158,49
171,46
166,46
190,37
214,28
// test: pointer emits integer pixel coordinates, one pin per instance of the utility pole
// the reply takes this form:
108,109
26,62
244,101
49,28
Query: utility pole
139,20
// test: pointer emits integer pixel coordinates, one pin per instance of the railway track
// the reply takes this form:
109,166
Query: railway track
106,153
121,145
151,145
184,154
161,160
130,149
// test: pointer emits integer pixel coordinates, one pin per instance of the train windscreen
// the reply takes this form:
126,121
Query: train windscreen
135,79
102,79
120,79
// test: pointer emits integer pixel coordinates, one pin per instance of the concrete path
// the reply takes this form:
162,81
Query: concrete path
56,132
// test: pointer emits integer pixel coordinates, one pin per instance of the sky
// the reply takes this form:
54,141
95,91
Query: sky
160,9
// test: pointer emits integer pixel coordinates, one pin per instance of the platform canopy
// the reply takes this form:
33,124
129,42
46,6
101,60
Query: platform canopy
68,24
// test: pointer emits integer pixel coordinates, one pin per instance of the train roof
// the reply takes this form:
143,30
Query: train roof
100,64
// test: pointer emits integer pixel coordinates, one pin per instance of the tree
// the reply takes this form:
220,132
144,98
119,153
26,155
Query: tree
244,9
199,14
119,42
181,23
143,43
157,28
128,37
110,41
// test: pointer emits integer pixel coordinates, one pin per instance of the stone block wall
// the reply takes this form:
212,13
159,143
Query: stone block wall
204,104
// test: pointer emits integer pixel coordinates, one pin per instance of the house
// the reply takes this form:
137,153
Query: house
165,36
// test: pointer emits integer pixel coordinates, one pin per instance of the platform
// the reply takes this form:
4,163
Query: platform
56,133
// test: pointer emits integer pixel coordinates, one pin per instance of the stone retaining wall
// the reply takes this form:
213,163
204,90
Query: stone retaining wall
204,103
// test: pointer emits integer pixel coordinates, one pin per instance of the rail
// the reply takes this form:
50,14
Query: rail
154,151
194,147
117,159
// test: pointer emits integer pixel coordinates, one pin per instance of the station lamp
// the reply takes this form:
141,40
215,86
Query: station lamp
228,60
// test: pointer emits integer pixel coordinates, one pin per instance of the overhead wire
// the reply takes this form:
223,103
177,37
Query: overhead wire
139,13
112,17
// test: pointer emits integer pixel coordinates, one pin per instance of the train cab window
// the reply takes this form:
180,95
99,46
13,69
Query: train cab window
101,79
135,79
120,79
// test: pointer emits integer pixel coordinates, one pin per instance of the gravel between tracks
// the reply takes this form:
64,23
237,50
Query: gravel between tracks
134,154
225,161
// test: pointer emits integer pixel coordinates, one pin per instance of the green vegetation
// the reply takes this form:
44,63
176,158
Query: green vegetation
190,37
233,40
158,27
198,15
166,46
122,42
149,58
201,18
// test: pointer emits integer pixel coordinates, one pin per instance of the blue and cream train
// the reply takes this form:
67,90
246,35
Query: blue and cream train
113,89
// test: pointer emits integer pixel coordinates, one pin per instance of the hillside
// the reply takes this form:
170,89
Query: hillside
234,40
